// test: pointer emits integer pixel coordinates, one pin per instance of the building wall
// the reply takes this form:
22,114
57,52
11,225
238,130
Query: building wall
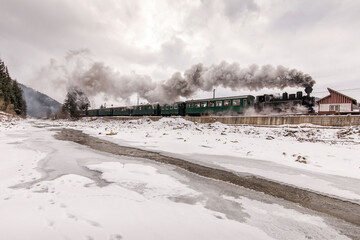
344,107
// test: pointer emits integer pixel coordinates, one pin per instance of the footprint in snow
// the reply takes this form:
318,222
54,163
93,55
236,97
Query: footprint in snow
63,205
71,216
115,237
76,218
93,223
50,223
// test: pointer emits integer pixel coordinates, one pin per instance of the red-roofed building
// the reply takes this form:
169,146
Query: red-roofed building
337,102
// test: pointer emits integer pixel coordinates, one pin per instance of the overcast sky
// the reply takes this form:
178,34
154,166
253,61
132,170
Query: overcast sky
157,38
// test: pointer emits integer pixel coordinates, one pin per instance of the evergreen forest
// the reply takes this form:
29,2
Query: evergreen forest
11,95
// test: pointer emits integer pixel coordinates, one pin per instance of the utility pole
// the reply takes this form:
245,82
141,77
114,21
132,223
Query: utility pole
214,93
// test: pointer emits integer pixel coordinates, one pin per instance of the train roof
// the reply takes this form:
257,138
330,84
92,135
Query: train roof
219,98
178,102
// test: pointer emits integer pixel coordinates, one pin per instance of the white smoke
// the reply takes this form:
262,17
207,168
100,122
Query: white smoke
285,110
94,78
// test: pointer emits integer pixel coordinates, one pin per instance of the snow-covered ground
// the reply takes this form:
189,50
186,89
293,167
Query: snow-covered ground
52,189
319,158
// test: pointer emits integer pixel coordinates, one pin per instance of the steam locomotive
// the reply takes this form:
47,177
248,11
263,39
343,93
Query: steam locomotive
287,102
236,105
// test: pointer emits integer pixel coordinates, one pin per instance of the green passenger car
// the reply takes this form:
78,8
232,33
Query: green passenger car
93,112
105,112
148,109
121,111
219,106
177,108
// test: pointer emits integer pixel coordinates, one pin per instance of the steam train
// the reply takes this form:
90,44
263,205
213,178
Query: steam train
236,105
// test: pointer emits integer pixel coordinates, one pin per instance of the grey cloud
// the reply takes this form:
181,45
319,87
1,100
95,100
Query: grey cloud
235,8
303,14
173,53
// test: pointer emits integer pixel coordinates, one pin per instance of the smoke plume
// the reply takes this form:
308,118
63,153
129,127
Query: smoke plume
285,110
230,76
94,78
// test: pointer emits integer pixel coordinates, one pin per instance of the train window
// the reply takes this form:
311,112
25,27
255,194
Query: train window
218,103
139,108
175,106
211,104
197,105
150,108
245,102
236,102
163,108
171,107
167,107
191,105
227,103
204,104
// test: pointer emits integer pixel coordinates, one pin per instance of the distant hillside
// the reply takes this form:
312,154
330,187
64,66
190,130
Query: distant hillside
38,104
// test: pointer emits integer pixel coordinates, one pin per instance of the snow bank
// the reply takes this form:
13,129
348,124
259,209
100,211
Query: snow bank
321,149
300,155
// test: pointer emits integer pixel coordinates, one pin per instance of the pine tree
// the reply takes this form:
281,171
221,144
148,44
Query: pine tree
19,102
69,106
75,103
2,82
2,69
7,88
11,95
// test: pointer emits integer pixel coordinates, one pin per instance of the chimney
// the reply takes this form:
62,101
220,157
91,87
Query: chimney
285,96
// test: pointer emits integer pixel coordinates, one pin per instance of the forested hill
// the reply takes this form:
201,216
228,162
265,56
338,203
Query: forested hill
11,98
39,105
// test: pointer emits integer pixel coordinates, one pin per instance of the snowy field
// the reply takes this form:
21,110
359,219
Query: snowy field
319,158
52,189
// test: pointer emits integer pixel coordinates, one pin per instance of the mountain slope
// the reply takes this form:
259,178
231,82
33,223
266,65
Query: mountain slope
38,104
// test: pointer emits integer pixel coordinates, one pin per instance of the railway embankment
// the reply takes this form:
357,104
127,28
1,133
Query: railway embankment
321,120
